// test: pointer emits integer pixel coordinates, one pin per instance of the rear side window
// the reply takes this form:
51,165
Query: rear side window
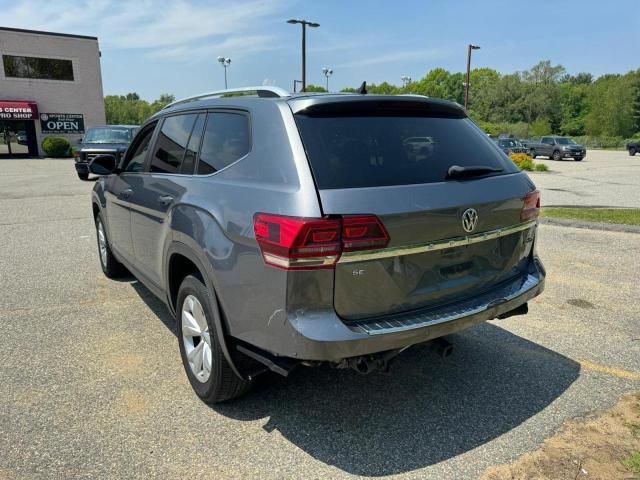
226,139
372,151
171,143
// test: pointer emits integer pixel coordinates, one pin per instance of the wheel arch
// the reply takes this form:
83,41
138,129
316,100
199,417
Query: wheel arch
181,260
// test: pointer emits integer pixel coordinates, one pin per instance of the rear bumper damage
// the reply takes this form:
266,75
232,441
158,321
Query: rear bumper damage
323,336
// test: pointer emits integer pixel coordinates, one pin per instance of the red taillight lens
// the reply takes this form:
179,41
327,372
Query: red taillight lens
295,243
363,232
531,208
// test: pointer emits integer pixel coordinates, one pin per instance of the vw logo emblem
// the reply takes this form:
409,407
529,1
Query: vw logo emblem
469,220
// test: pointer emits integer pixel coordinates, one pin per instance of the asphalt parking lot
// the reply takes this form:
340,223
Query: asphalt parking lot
602,179
91,383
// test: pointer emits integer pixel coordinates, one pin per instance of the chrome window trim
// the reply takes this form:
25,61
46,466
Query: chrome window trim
351,257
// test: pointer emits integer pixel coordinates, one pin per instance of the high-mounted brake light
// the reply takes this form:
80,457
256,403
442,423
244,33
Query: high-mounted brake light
531,208
295,243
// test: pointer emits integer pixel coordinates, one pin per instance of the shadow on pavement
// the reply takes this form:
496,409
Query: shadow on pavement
425,411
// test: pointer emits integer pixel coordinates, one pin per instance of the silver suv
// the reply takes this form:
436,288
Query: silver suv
285,230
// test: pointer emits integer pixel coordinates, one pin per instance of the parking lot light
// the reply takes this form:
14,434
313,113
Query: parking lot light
304,24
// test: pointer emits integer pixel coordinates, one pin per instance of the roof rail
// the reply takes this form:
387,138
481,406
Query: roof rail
261,91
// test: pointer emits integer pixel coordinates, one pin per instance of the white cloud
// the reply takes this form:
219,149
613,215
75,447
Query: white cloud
167,28
396,57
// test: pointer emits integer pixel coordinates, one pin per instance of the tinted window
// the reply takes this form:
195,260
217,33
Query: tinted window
108,135
547,141
36,67
135,161
370,151
171,143
226,139
192,147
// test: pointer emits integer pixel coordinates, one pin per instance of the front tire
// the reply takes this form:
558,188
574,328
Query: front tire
208,370
83,176
578,159
111,267
557,156
632,151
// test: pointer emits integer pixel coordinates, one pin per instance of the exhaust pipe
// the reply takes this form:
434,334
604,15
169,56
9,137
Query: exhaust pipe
521,310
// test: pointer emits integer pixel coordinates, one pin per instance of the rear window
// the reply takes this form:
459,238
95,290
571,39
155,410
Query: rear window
372,151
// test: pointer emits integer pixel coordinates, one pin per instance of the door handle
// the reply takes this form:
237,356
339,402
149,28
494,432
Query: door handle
165,200
125,194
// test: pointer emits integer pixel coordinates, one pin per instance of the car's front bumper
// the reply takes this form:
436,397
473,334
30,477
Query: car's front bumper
82,167
323,336
573,153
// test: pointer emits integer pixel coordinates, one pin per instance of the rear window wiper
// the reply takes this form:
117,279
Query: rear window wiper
457,171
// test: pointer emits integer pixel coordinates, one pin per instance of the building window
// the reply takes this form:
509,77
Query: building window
36,67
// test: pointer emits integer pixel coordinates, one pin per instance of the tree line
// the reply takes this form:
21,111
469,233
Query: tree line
540,101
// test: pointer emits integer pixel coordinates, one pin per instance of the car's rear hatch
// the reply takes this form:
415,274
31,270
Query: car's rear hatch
363,165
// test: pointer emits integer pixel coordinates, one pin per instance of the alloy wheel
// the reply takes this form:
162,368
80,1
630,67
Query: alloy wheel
196,338
102,244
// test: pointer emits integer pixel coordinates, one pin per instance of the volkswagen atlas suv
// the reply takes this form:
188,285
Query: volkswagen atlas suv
285,230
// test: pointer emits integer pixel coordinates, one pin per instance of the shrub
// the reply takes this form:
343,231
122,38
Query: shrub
56,147
541,167
522,160
525,162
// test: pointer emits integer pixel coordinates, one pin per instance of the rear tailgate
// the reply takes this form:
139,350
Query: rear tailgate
364,159
431,259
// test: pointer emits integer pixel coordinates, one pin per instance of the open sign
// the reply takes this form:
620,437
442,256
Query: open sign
61,123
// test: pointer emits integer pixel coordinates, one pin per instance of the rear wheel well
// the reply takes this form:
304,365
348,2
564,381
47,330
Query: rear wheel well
179,268
96,210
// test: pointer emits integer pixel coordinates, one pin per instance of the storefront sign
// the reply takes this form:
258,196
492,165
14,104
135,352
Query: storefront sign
10,110
61,123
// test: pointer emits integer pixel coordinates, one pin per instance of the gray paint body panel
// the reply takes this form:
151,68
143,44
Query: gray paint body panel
295,314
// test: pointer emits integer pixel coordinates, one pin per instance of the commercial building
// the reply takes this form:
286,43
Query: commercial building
50,85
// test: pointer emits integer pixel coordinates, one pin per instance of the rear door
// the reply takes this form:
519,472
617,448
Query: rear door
447,237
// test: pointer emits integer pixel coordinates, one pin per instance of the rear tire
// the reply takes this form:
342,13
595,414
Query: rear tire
632,151
557,156
83,176
208,370
532,153
111,267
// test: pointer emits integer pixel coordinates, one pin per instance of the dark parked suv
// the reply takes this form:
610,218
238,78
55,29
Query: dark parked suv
286,230
110,139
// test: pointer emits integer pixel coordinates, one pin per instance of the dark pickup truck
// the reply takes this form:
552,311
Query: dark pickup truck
557,148
110,139
511,145
633,147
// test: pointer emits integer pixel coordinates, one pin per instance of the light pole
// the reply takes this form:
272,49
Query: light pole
225,63
327,73
466,85
304,24
406,80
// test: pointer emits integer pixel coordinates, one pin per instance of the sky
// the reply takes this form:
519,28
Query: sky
171,46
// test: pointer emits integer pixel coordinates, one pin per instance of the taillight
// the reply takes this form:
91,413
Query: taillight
295,243
363,232
531,208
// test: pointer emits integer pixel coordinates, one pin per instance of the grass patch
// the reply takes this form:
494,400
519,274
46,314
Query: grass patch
624,216
633,463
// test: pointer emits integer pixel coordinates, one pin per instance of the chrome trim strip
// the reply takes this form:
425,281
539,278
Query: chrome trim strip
350,257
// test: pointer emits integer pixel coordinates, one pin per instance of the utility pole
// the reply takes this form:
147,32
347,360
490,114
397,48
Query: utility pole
304,24
327,73
225,63
467,84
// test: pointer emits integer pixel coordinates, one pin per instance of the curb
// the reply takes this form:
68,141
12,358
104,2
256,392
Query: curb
610,227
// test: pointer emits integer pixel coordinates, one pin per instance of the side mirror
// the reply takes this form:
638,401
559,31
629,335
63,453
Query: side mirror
103,165
79,141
